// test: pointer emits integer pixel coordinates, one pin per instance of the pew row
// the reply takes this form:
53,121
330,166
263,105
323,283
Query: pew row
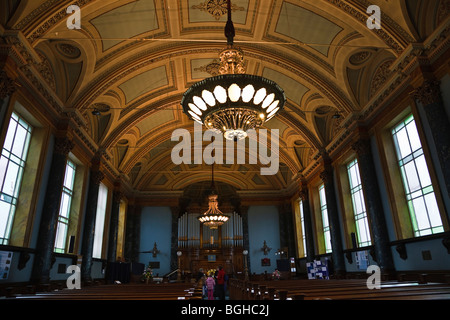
171,291
343,289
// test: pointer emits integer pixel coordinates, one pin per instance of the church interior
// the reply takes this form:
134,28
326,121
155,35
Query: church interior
107,170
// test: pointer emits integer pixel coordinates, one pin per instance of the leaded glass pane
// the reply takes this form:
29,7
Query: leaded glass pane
421,200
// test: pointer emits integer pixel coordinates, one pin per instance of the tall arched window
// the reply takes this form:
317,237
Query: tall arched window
359,206
420,197
12,164
325,222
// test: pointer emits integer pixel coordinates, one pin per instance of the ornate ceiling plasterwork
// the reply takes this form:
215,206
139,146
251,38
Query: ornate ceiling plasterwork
133,59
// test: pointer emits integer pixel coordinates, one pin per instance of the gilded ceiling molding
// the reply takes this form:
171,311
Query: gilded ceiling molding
332,92
108,79
301,129
166,90
216,8
166,135
397,38
135,118
46,70
47,20
381,76
211,68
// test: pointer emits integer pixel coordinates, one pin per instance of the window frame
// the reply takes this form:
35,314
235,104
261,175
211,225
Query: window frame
20,162
64,219
396,205
100,221
410,193
324,214
358,216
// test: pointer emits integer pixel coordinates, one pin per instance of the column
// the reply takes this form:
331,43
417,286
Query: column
96,177
429,95
50,211
174,238
374,206
7,88
114,226
243,210
333,218
132,233
286,225
307,218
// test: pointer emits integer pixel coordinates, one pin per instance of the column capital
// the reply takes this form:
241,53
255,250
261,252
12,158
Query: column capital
326,175
303,194
118,196
63,145
361,147
97,177
428,93
7,85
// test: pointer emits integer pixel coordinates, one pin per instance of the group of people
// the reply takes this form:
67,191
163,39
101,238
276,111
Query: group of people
215,284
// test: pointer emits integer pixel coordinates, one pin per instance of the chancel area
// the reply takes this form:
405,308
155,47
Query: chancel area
302,146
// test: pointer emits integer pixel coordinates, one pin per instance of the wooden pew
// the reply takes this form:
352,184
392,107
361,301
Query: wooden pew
123,292
339,289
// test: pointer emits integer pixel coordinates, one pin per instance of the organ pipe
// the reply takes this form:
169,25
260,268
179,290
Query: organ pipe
190,231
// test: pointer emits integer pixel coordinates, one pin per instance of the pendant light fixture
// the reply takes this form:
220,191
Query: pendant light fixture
233,102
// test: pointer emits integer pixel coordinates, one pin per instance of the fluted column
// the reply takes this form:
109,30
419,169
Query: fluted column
429,95
307,218
333,218
374,206
50,211
96,177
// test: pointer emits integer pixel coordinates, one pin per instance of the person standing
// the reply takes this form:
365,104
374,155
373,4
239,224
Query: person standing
210,283
220,289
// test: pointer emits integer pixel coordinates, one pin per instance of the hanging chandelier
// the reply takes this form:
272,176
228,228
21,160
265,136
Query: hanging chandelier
213,217
233,102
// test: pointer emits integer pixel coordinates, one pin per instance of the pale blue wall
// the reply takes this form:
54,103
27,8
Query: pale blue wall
263,225
156,226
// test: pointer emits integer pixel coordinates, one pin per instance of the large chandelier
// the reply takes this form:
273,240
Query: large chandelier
233,102
213,217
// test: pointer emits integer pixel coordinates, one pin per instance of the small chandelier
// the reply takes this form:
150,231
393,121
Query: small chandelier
233,102
213,217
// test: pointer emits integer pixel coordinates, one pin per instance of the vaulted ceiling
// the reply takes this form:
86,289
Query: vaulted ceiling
132,60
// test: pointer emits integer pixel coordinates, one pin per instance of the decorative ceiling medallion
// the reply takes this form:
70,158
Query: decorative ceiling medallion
217,8
211,68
